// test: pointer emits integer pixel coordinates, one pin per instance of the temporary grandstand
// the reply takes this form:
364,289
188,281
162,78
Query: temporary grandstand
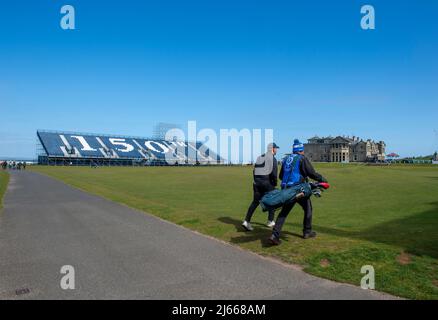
87,149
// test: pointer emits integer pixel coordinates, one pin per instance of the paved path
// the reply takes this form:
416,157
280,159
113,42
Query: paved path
121,253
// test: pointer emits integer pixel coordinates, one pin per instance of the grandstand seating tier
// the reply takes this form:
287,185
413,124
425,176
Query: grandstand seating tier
95,146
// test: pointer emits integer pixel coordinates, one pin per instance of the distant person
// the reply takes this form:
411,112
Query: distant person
4,165
295,169
265,180
24,165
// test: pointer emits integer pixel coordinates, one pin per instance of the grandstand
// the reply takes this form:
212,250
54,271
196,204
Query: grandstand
87,149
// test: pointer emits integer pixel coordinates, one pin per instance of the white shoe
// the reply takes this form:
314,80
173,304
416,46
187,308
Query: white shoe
247,226
270,224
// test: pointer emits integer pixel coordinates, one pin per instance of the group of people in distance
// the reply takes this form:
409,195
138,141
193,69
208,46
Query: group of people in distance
295,168
13,165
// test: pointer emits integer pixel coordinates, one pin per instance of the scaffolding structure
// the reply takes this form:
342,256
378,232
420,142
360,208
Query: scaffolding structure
161,128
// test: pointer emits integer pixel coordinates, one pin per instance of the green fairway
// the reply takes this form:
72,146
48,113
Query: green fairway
4,178
386,217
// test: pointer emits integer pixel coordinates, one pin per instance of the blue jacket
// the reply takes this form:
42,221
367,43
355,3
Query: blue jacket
291,172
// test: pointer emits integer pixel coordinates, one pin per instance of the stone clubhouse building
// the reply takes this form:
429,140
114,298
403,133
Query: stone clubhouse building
344,149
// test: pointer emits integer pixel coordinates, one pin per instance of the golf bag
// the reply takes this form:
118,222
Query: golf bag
277,198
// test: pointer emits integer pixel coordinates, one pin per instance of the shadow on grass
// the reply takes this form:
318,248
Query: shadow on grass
261,232
236,223
416,234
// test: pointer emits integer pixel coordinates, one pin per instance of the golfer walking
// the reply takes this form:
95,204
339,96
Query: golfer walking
265,180
295,169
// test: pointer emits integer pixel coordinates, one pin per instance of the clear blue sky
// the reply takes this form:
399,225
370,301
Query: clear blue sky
299,67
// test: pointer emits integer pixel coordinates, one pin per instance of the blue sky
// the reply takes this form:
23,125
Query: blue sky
299,67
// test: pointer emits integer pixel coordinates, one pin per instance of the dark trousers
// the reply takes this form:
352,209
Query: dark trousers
260,189
306,204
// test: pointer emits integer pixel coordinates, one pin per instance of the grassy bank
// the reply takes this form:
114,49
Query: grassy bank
4,178
381,216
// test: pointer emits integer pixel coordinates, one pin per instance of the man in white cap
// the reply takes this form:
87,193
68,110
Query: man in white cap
265,180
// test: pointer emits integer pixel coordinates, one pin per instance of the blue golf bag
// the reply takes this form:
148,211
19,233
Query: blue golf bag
277,198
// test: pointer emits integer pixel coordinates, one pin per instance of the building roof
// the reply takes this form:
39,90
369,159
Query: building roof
341,139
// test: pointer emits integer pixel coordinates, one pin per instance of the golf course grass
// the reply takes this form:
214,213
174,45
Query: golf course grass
386,217
4,178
